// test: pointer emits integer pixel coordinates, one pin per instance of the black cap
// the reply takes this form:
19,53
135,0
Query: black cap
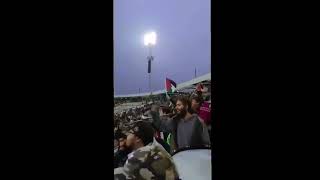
143,130
119,135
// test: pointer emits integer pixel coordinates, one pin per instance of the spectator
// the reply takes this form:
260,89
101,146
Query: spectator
147,161
205,113
121,156
202,109
186,128
196,102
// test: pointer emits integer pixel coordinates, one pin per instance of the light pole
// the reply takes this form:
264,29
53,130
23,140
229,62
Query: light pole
150,40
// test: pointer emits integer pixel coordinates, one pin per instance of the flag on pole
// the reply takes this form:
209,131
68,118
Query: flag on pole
170,86
199,87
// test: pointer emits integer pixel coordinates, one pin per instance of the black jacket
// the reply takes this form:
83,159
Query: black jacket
163,144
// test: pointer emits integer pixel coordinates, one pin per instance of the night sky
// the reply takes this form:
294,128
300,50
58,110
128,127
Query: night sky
183,42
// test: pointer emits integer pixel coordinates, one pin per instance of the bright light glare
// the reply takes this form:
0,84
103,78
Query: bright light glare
150,38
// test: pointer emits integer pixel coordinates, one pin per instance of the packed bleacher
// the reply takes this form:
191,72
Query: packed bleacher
182,121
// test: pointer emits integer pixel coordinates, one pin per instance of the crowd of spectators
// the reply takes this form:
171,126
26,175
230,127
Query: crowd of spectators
181,122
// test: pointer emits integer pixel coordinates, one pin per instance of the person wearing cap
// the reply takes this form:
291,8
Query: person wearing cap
148,160
120,156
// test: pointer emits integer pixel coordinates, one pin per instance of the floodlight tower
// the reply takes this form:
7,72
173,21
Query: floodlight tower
149,41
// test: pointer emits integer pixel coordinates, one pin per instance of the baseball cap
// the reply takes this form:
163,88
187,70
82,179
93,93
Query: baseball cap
119,135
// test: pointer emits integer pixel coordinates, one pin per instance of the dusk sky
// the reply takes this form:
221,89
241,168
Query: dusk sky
183,42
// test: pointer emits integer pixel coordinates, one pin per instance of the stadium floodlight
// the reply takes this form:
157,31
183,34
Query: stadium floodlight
150,39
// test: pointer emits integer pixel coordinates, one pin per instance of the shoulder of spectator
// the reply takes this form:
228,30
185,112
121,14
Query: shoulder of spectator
199,119
165,117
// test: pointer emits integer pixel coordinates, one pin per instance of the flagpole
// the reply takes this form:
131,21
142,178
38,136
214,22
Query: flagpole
165,85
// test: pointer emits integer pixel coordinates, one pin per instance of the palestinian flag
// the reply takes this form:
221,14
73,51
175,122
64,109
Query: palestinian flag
170,86
199,87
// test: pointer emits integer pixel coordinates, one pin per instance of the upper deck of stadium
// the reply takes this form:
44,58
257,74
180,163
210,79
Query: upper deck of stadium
185,86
